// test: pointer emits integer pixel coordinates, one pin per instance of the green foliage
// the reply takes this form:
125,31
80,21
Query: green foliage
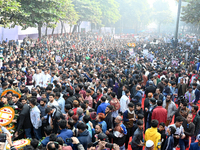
88,10
110,11
162,13
8,8
191,13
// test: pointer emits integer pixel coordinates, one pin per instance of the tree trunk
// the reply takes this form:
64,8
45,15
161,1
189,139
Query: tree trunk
75,28
53,30
64,29
46,31
39,31
62,25
70,28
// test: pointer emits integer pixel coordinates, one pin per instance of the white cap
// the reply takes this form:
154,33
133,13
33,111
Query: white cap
149,143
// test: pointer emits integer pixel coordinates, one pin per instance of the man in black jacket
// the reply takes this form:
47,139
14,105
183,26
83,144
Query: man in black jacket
55,115
151,88
24,121
196,122
109,118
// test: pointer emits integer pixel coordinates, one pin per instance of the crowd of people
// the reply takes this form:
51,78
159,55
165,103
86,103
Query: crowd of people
89,92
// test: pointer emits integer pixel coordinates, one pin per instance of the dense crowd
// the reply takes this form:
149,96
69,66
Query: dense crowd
89,92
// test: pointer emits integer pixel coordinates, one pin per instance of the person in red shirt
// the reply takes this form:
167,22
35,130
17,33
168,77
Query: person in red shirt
159,113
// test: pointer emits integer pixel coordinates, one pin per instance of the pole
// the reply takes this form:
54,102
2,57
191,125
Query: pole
177,23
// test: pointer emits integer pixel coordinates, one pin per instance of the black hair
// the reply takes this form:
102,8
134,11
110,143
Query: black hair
139,122
127,91
103,98
68,106
57,94
44,100
62,124
28,147
138,104
100,90
173,130
162,124
159,103
33,101
48,130
130,105
140,116
154,123
34,143
86,118
51,95
52,137
81,126
196,108
179,119
51,146
83,106
60,141
15,95
48,109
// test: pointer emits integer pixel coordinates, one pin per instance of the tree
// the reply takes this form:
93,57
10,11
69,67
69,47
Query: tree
88,10
110,11
190,13
40,12
162,13
8,8
135,14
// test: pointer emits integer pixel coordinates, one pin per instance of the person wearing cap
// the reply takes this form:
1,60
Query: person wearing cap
170,106
196,145
149,111
156,79
149,145
153,134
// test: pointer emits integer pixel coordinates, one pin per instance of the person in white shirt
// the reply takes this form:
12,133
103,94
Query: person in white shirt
124,101
37,78
46,78
52,101
179,134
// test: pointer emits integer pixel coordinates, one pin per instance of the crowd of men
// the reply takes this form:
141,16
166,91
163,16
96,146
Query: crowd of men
87,92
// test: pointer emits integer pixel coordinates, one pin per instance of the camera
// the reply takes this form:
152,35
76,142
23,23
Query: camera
69,140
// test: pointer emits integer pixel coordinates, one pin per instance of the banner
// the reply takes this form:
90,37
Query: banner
58,59
131,52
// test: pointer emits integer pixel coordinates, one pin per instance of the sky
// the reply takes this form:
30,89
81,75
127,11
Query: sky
173,6
172,3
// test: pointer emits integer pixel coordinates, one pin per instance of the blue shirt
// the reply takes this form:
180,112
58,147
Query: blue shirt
45,141
102,107
65,133
61,103
104,126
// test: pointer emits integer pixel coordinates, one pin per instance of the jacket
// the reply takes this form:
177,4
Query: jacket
65,133
171,109
153,135
197,93
109,121
24,121
45,141
84,138
57,116
138,97
194,146
196,122
151,89
184,88
160,114
169,143
102,107
137,137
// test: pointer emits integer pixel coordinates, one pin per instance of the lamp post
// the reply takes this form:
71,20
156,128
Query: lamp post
177,23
